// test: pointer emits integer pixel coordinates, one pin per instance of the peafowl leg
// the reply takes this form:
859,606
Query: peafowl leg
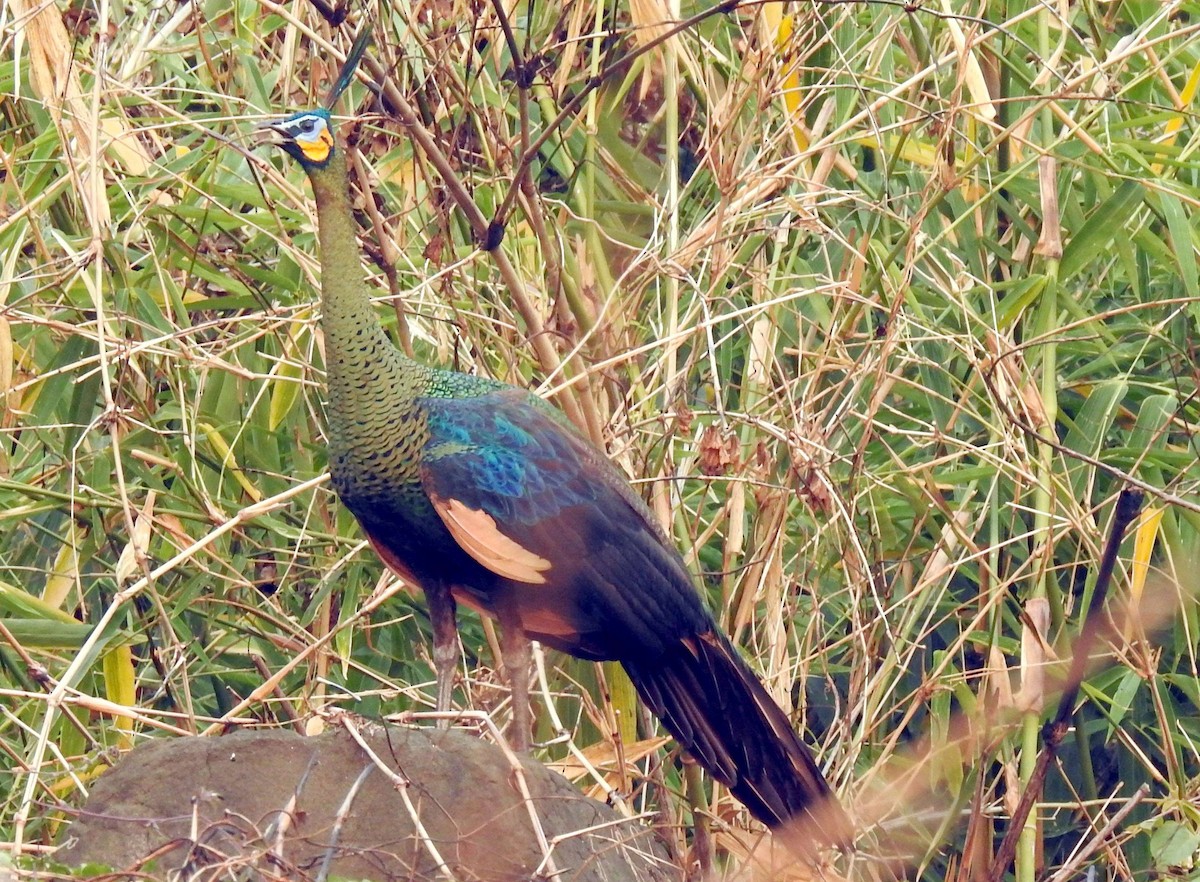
445,644
517,656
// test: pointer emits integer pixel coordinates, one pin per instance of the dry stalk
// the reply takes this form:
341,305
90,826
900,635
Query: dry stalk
402,787
343,811
1091,846
547,868
563,736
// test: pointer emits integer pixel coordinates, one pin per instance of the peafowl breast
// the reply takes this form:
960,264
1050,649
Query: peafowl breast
482,493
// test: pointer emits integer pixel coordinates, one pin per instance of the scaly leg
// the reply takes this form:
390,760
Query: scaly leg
517,656
445,644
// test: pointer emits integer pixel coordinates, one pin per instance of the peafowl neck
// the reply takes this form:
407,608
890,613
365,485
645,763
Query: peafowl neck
360,359
374,425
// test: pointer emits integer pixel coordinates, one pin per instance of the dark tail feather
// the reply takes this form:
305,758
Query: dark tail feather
721,714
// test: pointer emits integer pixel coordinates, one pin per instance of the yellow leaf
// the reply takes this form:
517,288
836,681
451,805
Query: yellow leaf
778,27
624,701
1144,537
221,447
65,785
119,688
125,145
285,389
65,572
1175,123
911,150
1143,548
8,361
602,756
29,399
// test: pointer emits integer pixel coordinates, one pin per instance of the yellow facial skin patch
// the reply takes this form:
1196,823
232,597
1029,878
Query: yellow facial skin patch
317,150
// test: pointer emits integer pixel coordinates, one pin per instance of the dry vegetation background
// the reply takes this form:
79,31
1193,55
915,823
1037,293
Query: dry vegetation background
822,307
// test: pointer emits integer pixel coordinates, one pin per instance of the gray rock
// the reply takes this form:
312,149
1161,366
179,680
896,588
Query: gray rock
265,804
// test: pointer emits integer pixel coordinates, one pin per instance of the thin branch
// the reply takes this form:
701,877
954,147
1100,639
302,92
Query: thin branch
1129,503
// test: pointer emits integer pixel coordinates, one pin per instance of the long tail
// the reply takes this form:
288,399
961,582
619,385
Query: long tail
721,714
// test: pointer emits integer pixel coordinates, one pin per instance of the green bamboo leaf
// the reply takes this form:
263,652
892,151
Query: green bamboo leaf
285,389
1179,235
57,388
1089,428
43,634
1020,295
1156,412
1122,699
1174,845
1100,229
15,602
948,758
220,277
285,381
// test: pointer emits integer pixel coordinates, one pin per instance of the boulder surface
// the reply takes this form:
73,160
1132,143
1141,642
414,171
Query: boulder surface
315,808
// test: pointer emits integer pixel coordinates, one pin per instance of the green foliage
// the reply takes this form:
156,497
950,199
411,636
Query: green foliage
841,352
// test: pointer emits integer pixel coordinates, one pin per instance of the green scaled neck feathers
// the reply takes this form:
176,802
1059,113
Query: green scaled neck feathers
360,359
355,343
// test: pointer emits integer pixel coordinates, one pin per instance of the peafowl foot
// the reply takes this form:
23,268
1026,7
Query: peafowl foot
442,610
517,658
445,664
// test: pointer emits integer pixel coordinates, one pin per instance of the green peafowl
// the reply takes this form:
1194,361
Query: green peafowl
482,493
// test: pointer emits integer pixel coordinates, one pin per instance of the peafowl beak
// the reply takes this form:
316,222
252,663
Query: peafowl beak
270,132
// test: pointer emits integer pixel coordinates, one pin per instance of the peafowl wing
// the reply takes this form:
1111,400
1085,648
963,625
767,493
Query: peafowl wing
575,549
581,559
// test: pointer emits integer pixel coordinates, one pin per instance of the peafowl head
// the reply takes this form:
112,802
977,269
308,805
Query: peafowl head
306,136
